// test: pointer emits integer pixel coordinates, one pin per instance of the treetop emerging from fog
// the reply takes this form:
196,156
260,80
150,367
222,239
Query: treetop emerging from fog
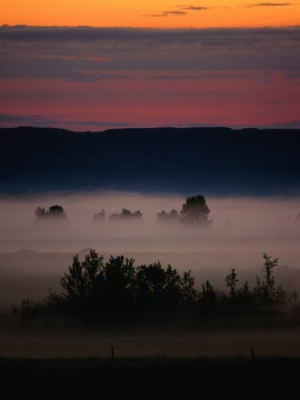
194,210
56,212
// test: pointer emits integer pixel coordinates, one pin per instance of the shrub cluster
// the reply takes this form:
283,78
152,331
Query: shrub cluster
117,285
54,212
96,288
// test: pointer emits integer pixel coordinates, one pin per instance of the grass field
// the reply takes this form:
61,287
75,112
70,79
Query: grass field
213,359
226,343
150,378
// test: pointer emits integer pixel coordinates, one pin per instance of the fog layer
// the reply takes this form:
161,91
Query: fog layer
241,230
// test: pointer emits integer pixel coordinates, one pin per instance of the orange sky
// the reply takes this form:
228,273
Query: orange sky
154,13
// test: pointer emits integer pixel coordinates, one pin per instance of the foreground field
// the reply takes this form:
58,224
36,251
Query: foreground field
144,342
150,378
150,362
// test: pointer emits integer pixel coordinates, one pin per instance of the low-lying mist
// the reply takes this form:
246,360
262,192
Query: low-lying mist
36,253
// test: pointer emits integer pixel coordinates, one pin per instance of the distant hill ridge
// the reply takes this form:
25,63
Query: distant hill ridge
212,161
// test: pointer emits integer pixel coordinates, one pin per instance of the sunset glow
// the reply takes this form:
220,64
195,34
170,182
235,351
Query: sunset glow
93,65
141,13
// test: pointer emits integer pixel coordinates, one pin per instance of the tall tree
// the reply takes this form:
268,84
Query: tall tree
208,296
84,281
266,290
159,287
195,209
119,283
231,281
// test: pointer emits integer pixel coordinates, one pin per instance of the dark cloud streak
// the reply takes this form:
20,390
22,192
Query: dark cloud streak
19,120
194,8
167,14
172,77
95,76
268,5
86,54
205,36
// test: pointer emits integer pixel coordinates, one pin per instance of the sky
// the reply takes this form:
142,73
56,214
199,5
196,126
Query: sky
91,65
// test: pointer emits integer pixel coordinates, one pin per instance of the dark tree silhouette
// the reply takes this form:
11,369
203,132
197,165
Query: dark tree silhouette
188,293
84,281
98,285
195,209
238,297
151,282
208,296
119,283
266,291
231,281
126,215
117,288
100,216
168,216
55,212
163,288
245,295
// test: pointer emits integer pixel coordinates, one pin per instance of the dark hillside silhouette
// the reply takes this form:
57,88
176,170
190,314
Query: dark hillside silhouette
210,160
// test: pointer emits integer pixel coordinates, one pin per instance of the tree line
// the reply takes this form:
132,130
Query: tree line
117,287
194,210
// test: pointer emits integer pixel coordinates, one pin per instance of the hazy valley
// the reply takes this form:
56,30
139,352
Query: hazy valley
249,178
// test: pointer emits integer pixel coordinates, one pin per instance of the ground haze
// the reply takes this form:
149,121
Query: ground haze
35,254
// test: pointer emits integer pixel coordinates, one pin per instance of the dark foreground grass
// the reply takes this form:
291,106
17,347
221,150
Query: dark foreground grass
150,378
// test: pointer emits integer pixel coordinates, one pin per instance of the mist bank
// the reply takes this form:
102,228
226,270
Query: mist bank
214,161
35,254
236,224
